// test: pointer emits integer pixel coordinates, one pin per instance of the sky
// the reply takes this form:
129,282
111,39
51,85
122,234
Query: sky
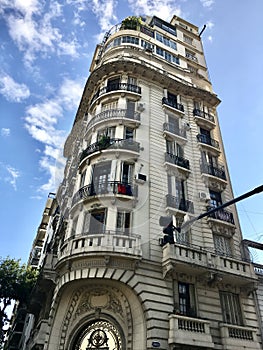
46,51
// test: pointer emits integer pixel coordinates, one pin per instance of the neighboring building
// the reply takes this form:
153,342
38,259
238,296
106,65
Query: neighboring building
145,144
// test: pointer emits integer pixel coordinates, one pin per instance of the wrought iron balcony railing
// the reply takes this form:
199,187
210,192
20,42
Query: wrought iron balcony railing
174,159
170,127
107,143
114,114
104,188
179,203
207,140
173,104
117,87
218,171
222,215
197,112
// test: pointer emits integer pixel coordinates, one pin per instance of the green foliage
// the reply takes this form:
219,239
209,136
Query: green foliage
16,283
131,22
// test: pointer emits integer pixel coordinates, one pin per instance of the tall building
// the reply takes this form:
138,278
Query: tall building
145,154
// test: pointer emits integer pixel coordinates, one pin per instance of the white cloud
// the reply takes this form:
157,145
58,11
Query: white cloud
164,9
31,28
12,90
210,24
207,3
13,175
5,132
41,122
210,38
104,10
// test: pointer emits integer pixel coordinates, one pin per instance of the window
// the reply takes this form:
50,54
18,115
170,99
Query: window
176,187
215,199
128,133
101,178
174,148
188,40
190,55
173,125
126,173
109,105
169,28
222,245
130,109
82,178
186,299
113,84
166,41
86,223
132,81
97,221
167,55
130,40
123,222
146,45
231,308
74,227
108,132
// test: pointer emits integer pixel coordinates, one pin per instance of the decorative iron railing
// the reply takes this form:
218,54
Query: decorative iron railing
207,140
115,87
222,215
179,203
218,171
104,188
172,104
177,160
170,127
107,143
197,112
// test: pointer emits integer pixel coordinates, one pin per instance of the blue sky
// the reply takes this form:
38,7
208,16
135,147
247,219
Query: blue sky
46,50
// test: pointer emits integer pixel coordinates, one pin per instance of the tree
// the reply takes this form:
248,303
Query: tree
16,283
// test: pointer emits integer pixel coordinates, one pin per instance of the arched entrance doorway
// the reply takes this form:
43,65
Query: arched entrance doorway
99,334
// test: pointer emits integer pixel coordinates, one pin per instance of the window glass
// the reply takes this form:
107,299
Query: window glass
123,221
231,308
186,299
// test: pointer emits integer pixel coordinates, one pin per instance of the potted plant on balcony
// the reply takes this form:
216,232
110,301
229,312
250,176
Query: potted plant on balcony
131,22
104,142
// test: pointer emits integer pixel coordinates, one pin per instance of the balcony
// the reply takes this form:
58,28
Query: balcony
196,261
115,114
191,56
117,87
190,331
180,204
216,171
110,144
207,140
238,337
171,129
111,188
107,242
222,215
177,160
171,103
208,118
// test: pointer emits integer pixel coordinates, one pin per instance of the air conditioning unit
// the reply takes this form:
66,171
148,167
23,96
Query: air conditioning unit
204,196
141,107
140,178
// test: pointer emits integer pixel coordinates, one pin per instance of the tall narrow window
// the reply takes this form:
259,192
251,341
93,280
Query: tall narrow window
186,299
127,173
128,133
74,227
222,245
231,308
130,109
215,198
97,221
86,223
82,178
174,148
132,80
113,84
101,178
123,222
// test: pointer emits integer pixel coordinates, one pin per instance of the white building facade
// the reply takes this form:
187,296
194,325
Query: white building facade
145,144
